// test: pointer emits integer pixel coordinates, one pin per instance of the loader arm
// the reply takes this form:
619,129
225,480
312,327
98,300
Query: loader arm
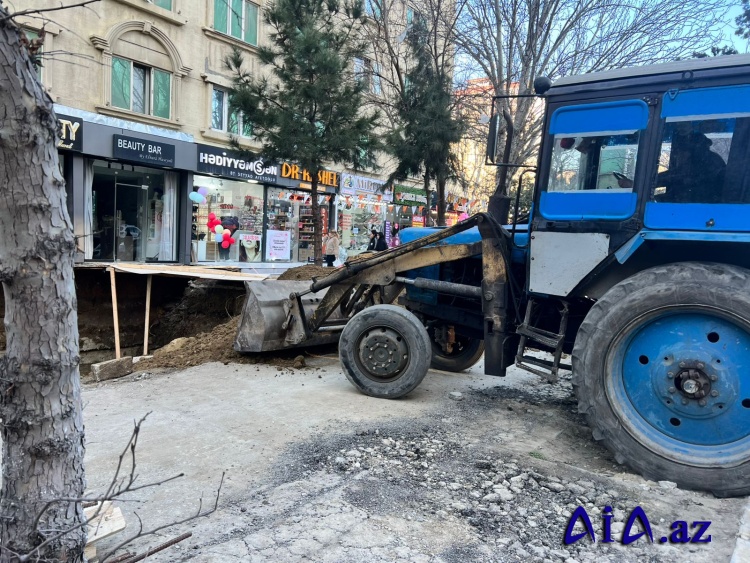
317,312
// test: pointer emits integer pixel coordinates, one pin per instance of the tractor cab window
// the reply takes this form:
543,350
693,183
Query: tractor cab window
704,161
604,162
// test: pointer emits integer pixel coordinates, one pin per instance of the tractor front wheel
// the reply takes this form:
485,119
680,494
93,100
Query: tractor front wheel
385,351
661,368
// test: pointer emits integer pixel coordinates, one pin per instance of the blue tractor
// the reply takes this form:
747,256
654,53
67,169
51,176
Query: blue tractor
633,262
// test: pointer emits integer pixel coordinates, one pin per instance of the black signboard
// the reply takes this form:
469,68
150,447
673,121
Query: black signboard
71,133
141,150
231,164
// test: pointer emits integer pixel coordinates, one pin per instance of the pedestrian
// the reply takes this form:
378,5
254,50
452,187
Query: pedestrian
381,244
331,248
373,240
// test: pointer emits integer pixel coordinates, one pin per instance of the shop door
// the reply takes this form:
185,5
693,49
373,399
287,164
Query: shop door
130,220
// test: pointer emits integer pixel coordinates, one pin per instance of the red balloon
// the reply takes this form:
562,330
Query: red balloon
231,240
211,216
225,244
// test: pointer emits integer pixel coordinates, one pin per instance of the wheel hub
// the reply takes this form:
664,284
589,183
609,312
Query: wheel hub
383,352
693,383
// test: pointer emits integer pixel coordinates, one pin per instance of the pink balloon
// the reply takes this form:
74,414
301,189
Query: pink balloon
225,244
211,216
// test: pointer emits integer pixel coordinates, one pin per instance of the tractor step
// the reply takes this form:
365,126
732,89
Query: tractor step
555,340
547,370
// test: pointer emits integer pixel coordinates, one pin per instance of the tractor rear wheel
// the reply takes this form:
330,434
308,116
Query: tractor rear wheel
385,351
661,368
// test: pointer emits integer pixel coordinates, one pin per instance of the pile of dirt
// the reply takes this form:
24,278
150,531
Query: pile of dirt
215,346
205,305
307,272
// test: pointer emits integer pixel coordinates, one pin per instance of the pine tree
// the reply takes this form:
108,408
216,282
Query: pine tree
429,128
743,21
308,106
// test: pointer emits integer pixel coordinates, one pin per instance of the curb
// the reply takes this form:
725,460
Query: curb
741,552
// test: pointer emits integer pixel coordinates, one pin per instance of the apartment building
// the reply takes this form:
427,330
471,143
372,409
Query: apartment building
142,93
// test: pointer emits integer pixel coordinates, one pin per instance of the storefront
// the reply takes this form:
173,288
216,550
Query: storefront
124,182
289,215
363,207
408,207
235,191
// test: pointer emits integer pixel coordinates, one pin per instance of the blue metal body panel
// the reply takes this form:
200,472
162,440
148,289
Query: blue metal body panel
581,206
629,248
724,100
698,216
466,237
625,115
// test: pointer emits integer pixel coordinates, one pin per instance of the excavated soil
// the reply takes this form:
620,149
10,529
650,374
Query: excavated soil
307,272
217,346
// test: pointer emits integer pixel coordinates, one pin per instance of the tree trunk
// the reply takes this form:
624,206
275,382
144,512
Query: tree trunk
441,180
428,200
317,224
42,430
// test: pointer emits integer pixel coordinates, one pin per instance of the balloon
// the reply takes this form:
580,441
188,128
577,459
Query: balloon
203,191
196,197
227,232
219,238
225,244
211,216
231,240
218,229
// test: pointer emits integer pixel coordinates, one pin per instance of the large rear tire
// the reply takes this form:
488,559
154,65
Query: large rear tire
385,351
661,368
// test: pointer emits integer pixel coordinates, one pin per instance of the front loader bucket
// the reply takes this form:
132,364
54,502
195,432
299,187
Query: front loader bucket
263,316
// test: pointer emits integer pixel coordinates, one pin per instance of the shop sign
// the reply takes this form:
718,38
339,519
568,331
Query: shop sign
407,195
277,245
231,164
368,187
295,176
141,150
71,133
417,221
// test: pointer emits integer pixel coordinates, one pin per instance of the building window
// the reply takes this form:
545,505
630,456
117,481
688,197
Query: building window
35,49
224,119
166,4
376,86
363,72
238,18
413,16
141,89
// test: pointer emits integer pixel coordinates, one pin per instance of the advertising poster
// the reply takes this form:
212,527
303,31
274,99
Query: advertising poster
278,245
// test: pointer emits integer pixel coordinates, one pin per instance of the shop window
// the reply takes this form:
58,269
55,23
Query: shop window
238,18
131,213
239,205
289,235
140,88
166,4
223,118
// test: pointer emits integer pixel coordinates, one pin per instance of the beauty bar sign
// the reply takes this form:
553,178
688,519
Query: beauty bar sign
141,150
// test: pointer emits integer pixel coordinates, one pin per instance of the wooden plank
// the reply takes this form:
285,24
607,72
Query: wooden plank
115,316
109,521
148,314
